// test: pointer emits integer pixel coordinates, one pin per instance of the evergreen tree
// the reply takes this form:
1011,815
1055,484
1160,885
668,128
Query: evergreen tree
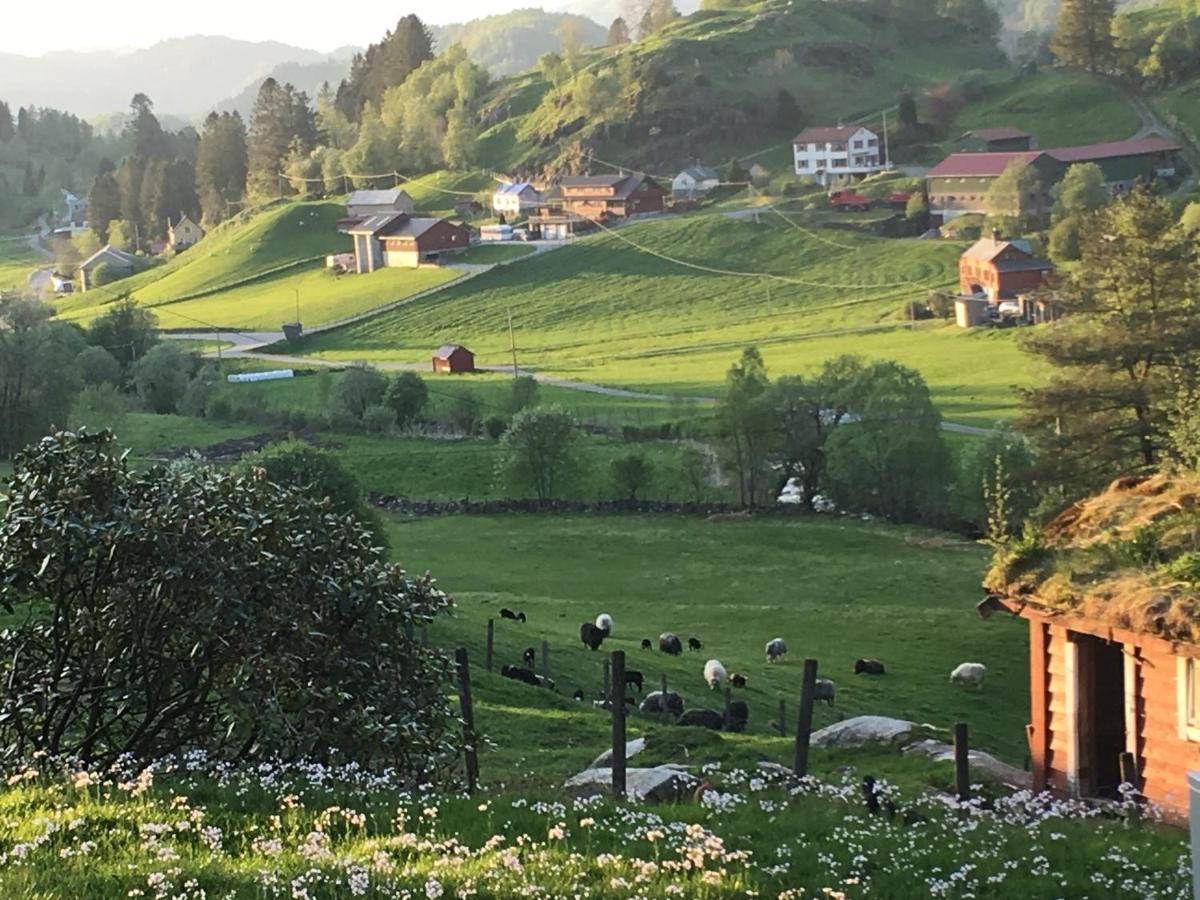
143,128
129,182
788,115
104,203
908,112
618,33
282,121
29,186
1084,35
153,208
384,65
735,174
7,129
221,165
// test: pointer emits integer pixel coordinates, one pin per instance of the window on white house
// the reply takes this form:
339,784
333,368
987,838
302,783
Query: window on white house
858,145
1188,677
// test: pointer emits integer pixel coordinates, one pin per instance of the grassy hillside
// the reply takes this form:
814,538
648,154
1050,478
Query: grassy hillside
512,42
605,311
16,261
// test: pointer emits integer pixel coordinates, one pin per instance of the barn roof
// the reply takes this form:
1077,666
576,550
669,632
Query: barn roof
407,226
989,248
447,350
376,198
1123,557
373,225
1138,147
980,165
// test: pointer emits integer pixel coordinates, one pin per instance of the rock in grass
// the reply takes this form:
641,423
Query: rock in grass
632,749
940,751
862,730
661,784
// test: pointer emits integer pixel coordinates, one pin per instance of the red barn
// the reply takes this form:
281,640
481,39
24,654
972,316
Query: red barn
453,359
1001,269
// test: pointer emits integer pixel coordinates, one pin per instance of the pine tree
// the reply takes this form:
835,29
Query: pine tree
1084,35
149,141
281,116
384,65
7,129
29,183
618,33
104,203
221,165
908,112
788,115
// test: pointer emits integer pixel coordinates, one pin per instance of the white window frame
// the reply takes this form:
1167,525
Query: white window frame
1188,698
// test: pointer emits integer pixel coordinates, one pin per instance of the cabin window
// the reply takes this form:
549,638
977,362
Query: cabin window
1189,699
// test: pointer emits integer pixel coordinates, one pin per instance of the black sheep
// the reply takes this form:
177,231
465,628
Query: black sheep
506,613
868,667
529,656
669,643
646,645
578,695
694,644
653,704
591,635
739,714
871,795
635,678
738,681
516,673
705,718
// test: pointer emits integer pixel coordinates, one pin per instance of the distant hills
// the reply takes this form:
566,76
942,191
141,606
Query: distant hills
512,42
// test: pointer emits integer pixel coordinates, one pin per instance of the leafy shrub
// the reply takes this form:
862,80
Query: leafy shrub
407,396
466,413
98,406
379,419
161,377
631,474
98,366
539,451
356,390
185,608
1185,567
494,427
524,393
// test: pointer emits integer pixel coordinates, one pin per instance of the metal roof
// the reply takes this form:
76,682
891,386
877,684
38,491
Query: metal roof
825,134
376,198
1137,147
977,165
446,350
375,224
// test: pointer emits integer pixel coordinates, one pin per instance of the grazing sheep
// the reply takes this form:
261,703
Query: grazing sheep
646,645
506,613
604,704
578,695
775,649
635,678
653,704
545,682
739,714
591,635
737,680
529,657
704,718
970,674
516,673
605,623
868,667
714,674
695,644
825,690
669,643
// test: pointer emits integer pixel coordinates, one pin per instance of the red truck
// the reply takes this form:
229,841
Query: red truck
847,201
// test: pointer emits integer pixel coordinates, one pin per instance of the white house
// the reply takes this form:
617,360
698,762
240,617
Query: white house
695,181
518,199
827,153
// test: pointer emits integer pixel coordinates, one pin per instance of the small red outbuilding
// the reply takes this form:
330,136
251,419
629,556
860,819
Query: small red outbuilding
454,359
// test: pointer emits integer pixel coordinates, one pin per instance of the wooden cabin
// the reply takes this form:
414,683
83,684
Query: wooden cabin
1114,655
453,359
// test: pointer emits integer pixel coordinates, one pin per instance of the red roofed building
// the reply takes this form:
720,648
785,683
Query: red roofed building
599,196
825,153
453,359
400,241
1001,269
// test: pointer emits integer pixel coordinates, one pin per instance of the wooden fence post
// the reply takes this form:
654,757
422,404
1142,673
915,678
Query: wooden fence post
545,659
616,699
804,720
491,643
471,752
663,709
962,763
782,718
607,695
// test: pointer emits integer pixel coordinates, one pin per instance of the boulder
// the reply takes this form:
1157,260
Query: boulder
862,730
632,748
980,761
661,784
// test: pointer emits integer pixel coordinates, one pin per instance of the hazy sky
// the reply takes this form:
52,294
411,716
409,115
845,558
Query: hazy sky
33,28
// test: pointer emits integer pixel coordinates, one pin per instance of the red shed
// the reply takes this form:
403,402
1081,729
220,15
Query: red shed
1001,269
1114,652
454,359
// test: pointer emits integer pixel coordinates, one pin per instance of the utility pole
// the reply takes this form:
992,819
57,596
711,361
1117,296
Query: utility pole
512,345
886,154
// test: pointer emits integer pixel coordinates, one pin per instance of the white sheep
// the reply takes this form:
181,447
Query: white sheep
714,673
971,674
824,689
775,649
605,623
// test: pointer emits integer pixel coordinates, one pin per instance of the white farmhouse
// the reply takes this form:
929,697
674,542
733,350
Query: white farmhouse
514,200
695,181
827,153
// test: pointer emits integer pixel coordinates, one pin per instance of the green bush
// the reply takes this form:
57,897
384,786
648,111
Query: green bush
161,377
494,427
356,390
98,366
379,419
407,396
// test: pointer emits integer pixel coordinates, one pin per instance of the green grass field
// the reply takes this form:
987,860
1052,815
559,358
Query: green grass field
16,261
608,312
492,254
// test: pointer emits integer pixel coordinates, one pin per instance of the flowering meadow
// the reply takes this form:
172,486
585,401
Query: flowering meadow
191,830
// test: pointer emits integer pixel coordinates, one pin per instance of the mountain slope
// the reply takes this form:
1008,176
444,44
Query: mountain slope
512,42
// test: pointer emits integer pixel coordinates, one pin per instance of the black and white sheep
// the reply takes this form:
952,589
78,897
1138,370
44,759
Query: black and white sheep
605,623
517,673
592,636
737,679
529,657
868,667
670,643
776,648
506,613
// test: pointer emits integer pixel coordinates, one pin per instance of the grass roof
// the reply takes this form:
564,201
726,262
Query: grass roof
1128,557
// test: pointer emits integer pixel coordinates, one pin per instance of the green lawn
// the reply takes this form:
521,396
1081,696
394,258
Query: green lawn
16,261
491,254
833,588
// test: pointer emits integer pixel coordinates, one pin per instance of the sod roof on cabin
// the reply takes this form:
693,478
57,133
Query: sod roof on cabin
1128,557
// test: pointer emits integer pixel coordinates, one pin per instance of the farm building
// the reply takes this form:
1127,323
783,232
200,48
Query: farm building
620,196
1125,162
364,204
401,241
516,200
996,140
113,263
1000,269
1114,647
844,151
695,181
183,233
453,359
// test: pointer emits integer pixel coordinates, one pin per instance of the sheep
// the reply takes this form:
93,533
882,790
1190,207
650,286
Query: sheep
705,718
591,635
545,682
739,714
868,667
824,689
529,657
669,643
605,623
654,702
646,645
506,613
516,673
695,644
775,649
970,674
578,695
635,678
714,674
737,680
